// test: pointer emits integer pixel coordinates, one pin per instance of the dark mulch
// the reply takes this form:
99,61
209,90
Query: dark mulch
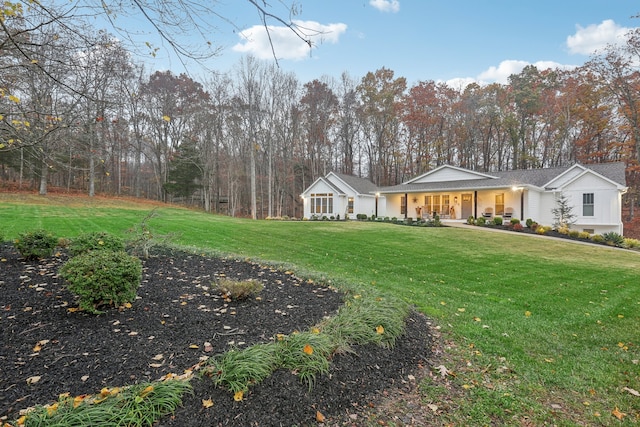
81,353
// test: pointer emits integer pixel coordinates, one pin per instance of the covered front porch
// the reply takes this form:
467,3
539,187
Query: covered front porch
459,204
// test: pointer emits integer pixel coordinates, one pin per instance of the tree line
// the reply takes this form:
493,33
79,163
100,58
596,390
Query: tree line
79,113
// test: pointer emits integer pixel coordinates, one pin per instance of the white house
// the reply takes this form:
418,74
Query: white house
337,195
594,193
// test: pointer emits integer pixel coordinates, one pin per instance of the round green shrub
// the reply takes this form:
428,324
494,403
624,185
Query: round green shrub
95,241
102,278
584,235
497,220
36,244
481,221
471,220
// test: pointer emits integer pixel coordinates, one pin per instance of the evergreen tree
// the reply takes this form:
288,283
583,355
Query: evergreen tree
563,215
185,169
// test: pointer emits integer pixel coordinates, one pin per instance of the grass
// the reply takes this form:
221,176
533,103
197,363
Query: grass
137,405
535,329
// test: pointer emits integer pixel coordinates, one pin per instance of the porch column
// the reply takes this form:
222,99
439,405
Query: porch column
475,204
406,204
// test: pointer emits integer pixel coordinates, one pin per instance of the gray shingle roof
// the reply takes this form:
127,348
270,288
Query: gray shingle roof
614,171
361,185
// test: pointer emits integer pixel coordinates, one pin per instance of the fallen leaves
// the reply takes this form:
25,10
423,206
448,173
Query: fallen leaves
442,370
320,417
207,403
39,345
308,349
238,396
34,379
619,415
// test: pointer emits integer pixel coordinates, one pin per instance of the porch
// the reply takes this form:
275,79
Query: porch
507,203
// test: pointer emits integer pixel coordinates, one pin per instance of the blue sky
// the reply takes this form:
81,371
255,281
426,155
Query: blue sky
441,40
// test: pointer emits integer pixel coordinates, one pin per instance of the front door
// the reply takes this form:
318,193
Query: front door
467,205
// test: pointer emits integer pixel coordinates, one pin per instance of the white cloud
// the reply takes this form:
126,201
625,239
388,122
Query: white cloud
587,41
286,44
386,5
501,73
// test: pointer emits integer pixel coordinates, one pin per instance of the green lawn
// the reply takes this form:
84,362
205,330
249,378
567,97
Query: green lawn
535,329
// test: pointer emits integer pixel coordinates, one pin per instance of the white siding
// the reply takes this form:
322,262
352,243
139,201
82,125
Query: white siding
365,205
448,174
607,207
321,186
564,178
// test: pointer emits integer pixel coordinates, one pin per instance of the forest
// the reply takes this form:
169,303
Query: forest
78,113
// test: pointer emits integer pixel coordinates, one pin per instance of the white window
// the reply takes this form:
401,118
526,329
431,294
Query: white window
321,203
587,204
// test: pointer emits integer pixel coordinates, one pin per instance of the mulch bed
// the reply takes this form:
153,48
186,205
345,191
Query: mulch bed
72,351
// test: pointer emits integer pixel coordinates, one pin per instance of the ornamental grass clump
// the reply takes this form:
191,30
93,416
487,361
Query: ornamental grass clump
37,244
612,238
238,290
102,278
307,354
97,241
362,321
630,243
137,405
238,368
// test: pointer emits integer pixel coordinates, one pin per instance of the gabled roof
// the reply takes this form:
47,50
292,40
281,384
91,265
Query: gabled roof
359,185
611,172
452,173
325,181
530,178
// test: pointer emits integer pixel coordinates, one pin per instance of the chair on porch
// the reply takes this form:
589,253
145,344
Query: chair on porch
425,213
508,214
488,213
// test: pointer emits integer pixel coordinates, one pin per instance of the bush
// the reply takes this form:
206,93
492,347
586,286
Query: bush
534,226
574,234
518,227
497,220
361,216
631,243
37,244
515,221
584,235
541,229
471,220
563,230
612,238
102,278
481,221
238,289
529,222
100,240
597,238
